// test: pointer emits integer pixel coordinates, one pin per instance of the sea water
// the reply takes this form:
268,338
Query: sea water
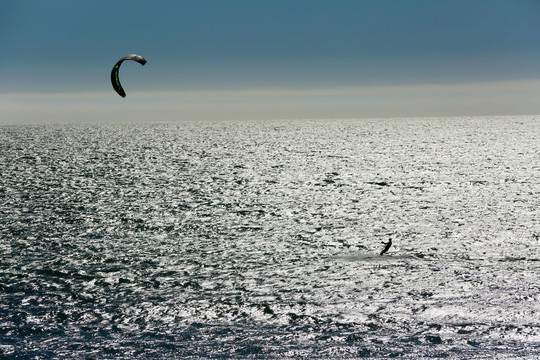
261,239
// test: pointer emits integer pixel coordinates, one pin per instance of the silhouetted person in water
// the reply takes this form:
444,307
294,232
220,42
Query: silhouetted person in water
388,244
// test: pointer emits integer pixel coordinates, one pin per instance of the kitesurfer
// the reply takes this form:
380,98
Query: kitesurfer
388,244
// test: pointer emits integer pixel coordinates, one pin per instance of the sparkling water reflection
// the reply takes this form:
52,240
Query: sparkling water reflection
261,240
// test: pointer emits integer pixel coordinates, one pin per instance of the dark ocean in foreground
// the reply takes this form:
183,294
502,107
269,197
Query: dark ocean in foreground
260,240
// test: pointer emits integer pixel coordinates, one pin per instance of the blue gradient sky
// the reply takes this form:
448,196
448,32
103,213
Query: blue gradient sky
270,59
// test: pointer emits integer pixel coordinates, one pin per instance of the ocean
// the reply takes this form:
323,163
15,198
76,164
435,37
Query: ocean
261,239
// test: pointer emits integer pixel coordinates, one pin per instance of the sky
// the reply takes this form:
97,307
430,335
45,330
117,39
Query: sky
275,59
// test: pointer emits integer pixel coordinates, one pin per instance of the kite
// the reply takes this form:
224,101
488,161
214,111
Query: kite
114,73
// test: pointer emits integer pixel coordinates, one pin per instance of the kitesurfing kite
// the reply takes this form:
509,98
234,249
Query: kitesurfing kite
114,73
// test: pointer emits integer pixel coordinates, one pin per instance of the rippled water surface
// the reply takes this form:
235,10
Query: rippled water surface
261,239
